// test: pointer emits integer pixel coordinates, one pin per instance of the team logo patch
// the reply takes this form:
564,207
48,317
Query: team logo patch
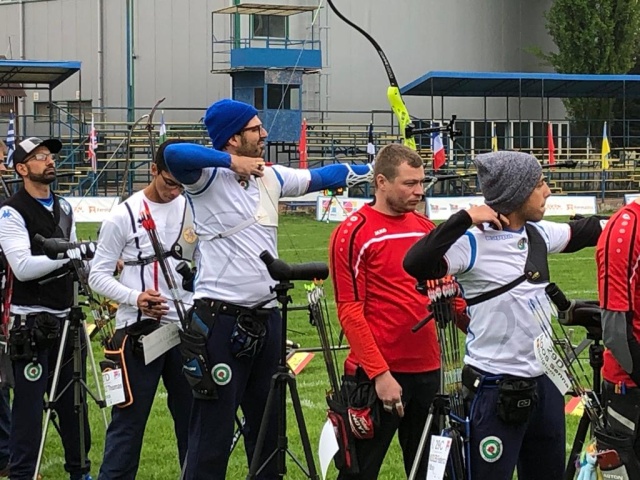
65,206
491,449
522,243
33,372
189,235
243,182
221,373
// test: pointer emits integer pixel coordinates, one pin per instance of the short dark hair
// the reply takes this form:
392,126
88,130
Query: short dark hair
159,160
391,156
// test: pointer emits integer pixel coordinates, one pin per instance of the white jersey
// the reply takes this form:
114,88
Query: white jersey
14,242
229,268
123,237
503,328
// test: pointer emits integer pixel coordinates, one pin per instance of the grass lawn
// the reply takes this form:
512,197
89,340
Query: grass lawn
301,239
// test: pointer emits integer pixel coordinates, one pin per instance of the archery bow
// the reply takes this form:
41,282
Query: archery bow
443,309
149,128
393,91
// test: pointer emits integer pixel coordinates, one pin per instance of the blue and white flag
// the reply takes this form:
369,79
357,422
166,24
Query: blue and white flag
11,140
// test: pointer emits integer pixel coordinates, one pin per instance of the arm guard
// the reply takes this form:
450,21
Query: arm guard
339,175
186,161
617,336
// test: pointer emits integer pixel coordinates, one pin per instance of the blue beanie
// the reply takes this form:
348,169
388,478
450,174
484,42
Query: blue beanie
225,118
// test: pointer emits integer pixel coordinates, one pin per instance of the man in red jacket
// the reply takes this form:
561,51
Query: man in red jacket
618,257
378,304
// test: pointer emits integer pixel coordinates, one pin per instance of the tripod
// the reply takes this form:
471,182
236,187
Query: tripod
76,326
327,208
439,413
282,379
596,350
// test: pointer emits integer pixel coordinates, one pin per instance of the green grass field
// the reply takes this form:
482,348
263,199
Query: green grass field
301,239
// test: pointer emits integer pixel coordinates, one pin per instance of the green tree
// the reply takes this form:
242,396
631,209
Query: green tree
593,36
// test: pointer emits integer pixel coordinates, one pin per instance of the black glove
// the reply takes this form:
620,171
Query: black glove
193,347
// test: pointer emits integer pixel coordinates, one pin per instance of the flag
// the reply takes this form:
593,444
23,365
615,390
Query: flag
551,148
371,147
11,140
302,146
163,130
494,140
93,146
605,148
438,150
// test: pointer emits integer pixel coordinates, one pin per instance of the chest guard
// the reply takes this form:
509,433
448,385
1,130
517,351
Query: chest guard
266,212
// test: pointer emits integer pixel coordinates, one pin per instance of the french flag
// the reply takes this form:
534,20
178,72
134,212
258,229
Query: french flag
437,148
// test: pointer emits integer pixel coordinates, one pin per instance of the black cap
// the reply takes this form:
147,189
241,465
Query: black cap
26,147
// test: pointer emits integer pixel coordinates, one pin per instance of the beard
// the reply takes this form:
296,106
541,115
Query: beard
248,149
45,178
398,206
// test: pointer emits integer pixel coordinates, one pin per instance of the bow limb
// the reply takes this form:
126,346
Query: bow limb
128,160
149,127
393,91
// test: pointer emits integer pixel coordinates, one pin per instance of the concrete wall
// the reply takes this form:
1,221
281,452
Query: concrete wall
172,47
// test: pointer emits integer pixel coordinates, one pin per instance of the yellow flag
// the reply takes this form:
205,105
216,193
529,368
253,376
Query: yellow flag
605,148
494,140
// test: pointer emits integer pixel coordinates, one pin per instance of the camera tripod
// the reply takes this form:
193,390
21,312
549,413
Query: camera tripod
75,327
327,210
437,421
282,379
596,350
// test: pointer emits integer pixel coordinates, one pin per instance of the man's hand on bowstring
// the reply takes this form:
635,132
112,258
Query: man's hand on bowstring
389,392
485,214
247,165
152,304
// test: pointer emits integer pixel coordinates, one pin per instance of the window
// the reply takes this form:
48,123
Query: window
269,26
283,96
5,108
258,98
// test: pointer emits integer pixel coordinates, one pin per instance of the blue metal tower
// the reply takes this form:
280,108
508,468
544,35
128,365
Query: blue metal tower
266,65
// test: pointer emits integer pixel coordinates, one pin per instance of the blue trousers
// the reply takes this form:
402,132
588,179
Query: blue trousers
213,421
126,430
28,407
536,448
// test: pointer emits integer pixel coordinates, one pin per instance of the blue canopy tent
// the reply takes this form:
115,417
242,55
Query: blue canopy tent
38,75
524,85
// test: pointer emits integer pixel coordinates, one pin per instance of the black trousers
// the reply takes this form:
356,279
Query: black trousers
418,392
623,412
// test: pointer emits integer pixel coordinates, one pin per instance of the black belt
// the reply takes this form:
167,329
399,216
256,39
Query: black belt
224,308
473,378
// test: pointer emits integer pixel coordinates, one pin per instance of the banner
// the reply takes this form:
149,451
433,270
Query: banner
630,197
91,209
336,209
441,208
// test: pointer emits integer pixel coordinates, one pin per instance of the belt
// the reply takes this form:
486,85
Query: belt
223,308
474,379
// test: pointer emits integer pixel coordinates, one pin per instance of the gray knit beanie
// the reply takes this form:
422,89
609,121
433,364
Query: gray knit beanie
507,178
